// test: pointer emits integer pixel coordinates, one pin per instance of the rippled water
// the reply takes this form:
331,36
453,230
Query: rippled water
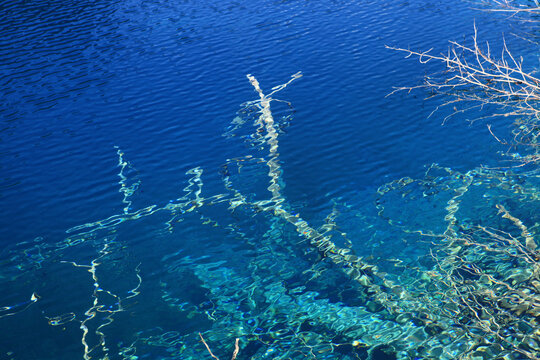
108,106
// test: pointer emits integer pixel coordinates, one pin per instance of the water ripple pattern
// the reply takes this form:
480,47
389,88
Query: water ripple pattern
144,197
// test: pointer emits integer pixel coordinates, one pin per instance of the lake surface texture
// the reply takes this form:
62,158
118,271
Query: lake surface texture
177,170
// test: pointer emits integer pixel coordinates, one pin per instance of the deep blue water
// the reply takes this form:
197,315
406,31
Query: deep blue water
162,81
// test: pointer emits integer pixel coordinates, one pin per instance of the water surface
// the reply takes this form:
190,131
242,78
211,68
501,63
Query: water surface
107,108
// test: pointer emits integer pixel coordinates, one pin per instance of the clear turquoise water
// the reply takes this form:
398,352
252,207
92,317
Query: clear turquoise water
160,82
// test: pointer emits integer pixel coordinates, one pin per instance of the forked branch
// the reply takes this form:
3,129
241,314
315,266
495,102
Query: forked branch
234,355
475,76
478,80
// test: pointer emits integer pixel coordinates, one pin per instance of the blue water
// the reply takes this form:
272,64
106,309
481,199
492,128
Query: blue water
161,82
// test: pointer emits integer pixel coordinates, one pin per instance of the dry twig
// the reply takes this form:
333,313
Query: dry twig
477,80
474,76
510,6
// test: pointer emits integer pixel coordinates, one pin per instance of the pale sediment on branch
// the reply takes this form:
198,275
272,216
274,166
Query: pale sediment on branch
529,239
365,274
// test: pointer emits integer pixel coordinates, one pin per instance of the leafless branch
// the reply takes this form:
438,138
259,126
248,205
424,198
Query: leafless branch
475,79
234,355
512,7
